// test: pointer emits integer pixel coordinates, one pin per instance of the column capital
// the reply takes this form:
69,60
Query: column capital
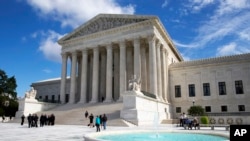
64,54
73,52
151,37
108,46
159,44
84,50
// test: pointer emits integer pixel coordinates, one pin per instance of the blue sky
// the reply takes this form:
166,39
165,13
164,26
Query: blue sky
29,30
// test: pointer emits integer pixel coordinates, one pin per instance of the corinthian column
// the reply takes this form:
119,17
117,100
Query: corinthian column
123,83
159,70
95,76
137,58
84,76
164,73
152,65
73,78
63,78
109,74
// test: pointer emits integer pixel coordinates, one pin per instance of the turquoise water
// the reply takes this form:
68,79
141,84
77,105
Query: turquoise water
162,137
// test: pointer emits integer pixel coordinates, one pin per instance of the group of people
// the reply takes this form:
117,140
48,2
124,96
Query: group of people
100,121
44,120
189,123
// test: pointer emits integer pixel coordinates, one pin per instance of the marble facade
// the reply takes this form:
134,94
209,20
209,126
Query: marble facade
108,50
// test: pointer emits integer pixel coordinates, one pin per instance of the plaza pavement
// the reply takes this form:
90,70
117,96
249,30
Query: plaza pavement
16,132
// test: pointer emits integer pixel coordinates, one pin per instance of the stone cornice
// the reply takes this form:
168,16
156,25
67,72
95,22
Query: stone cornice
79,40
212,61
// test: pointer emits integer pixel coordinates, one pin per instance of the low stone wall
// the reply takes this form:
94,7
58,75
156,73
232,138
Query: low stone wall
30,106
228,120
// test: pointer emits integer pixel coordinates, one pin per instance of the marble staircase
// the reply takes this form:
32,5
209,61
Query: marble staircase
73,114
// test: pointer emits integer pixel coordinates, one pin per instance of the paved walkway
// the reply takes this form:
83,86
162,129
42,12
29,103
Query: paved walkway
14,131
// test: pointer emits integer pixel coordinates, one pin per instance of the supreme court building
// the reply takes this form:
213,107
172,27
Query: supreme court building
108,50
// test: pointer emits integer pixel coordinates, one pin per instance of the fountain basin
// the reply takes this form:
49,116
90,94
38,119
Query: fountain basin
149,135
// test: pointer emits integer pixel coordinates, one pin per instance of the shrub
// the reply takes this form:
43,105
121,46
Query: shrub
204,120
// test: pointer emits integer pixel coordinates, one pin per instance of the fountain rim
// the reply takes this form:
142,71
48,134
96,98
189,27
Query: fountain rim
93,136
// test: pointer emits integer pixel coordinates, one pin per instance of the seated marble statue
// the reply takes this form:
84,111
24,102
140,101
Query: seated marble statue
134,84
31,93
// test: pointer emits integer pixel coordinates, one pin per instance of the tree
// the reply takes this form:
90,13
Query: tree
7,85
8,95
196,111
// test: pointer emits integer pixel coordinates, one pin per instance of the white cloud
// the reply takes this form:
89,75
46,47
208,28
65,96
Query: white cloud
164,4
230,49
245,34
228,6
75,12
197,5
47,70
49,46
178,44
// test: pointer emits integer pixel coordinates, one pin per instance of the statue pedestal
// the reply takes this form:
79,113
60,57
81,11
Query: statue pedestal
141,110
30,105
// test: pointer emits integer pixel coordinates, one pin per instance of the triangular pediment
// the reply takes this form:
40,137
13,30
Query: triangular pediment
105,22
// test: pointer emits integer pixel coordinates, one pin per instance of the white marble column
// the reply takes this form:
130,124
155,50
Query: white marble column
152,65
137,58
73,77
143,69
63,77
164,74
123,83
159,78
95,76
84,65
109,74
165,71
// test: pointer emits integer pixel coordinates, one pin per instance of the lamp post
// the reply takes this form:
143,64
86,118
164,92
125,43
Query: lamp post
193,102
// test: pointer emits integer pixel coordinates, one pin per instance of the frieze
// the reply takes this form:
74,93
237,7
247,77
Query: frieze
104,23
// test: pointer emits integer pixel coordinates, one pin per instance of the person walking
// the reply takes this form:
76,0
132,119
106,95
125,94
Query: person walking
97,123
22,119
86,114
104,121
91,118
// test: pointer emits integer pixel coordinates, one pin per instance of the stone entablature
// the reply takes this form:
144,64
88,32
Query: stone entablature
213,61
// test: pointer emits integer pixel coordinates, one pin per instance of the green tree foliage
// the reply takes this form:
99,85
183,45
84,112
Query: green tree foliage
8,85
196,111
8,94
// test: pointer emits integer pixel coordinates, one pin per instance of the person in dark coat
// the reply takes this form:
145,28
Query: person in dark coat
104,121
22,119
91,118
30,120
52,118
86,114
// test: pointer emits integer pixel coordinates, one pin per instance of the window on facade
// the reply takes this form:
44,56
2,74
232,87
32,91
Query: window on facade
177,91
53,98
222,88
206,89
191,89
241,108
223,108
207,109
178,109
46,98
239,87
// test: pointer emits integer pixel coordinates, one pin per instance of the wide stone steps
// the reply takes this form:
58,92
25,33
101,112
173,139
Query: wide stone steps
73,114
